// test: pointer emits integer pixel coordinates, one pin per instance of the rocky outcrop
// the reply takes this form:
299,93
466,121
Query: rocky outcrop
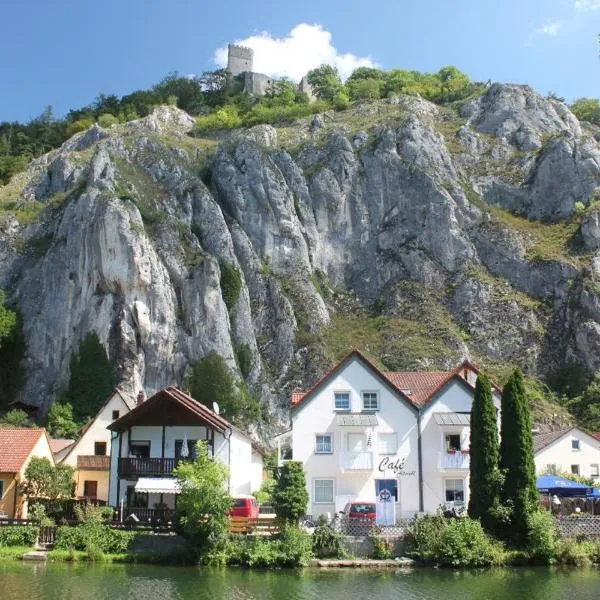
132,241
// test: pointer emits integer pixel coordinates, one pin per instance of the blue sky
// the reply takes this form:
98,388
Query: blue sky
65,52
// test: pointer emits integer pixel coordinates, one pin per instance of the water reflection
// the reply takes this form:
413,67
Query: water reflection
141,582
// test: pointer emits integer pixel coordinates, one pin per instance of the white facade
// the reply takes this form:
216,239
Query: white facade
573,452
151,452
345,462
91,473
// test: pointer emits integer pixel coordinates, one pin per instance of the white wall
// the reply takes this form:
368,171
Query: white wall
455,397
317,415
561,453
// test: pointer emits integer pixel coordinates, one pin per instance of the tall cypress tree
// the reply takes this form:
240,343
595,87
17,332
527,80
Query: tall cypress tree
516,458
485,454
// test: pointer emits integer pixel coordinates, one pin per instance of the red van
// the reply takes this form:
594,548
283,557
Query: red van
244,506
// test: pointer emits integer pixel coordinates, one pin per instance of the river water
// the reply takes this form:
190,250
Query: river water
140,582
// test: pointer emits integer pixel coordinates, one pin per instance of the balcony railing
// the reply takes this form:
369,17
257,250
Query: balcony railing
356,461
454,460
148,466
149,515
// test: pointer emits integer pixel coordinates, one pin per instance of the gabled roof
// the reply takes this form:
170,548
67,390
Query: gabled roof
16,445
542,440
300,398
154,410
416,387
129,403
59,445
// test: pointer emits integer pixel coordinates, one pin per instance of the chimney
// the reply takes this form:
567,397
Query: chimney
141,397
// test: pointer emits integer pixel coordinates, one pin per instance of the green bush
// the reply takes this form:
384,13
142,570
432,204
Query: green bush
243,353
289,495
572,552
106,120
264,494
231,284
543,538
453,543
18,535
95,538
382,548
292,548
327,542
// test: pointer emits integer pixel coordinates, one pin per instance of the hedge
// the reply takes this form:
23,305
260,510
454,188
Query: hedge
18,535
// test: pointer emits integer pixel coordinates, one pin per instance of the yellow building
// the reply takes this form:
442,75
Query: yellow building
90,454
17,447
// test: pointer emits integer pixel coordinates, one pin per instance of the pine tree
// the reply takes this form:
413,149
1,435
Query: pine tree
92,378
290,496
516,458
485,454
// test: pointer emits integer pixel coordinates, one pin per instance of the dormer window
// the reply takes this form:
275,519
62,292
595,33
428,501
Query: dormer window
575,444
370,401
342,400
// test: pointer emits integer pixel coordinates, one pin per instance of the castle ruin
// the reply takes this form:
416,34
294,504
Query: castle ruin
240,61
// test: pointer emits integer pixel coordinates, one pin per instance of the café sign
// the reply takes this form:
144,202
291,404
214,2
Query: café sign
396,466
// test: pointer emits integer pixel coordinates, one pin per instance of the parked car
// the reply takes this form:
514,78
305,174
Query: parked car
359,510
244,506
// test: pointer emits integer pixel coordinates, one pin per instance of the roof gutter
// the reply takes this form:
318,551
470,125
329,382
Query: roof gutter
420,460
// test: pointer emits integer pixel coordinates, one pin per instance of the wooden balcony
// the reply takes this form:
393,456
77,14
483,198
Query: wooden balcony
148,466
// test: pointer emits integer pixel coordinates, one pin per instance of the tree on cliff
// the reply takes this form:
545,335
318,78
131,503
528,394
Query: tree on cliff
8,319
12,351
325,81
485,455
516,459
92,378
212,381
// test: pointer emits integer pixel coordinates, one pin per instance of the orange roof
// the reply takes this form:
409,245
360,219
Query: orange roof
418,387
596,435
16,445
58,444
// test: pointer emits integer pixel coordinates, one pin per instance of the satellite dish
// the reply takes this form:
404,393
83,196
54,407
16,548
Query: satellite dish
216,408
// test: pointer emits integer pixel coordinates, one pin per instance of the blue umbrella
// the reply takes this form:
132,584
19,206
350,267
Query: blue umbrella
594,494
553,484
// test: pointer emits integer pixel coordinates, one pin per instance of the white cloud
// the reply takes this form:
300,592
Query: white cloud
550,29
587,4
303,48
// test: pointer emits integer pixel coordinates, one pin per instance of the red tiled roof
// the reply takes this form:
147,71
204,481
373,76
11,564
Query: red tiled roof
419,386
596,435
58,445
541,440
206,415
16,445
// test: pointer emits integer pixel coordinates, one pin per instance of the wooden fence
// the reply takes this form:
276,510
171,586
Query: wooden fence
260,526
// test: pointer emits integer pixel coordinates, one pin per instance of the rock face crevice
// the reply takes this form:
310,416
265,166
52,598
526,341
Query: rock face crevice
323,220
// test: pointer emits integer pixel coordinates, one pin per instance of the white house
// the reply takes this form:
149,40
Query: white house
568,450
149,442
90,454
359,430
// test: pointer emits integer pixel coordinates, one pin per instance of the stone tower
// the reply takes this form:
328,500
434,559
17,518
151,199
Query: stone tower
239,59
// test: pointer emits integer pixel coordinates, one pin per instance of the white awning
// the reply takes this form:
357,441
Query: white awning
453,419
157,485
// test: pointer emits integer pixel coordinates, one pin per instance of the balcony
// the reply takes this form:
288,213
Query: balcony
150,515
454,461
93,463
356,461
148,466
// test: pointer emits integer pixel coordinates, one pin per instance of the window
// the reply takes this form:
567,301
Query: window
551,469
192,449
575,469
90,489
115,415
388,443
455,490
452,442
342,400
1,489
575,444
100,448
286,451
323,491
593,471
139,449
136,499
391,485
357,442
324,443
370,401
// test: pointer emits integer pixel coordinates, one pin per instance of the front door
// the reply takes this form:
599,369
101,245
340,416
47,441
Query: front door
90,489
391,485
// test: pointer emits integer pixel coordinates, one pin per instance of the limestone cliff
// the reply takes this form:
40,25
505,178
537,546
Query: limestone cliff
422,234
